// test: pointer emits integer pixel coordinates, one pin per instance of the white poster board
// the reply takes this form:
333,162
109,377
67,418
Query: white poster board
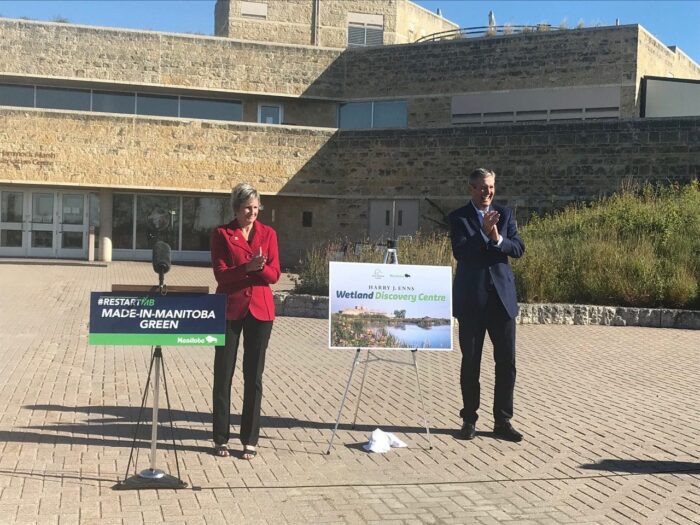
390,306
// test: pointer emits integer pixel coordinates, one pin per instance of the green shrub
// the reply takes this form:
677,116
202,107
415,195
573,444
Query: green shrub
639,247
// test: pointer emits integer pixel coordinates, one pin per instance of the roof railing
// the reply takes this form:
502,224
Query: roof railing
476,32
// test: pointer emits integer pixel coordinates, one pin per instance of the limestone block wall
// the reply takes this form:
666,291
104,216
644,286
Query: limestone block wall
539,165
72,148
295,111
414,21
656,59
291,21
285,214
334,19
118,56
335,173
576,57
427,74
287,22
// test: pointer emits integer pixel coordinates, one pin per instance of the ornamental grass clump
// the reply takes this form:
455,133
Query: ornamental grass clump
639,247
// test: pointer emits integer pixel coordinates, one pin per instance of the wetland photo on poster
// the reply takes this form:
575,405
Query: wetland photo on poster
390,306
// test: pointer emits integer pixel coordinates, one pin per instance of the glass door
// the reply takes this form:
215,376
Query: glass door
42,225
13,238
72,226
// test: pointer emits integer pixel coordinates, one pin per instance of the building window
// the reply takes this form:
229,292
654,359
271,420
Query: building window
257,10
200,215
211,109
306,219
389,114
365,29
11,206
157,218
158,105
540,104
121,102
123,221
269,114
375,114
114,102
11,95
60,98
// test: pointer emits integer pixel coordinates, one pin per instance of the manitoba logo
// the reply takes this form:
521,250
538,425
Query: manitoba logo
211,339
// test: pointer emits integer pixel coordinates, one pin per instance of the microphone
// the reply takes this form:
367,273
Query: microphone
161,258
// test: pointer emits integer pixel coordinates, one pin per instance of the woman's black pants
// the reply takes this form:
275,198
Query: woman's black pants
256,335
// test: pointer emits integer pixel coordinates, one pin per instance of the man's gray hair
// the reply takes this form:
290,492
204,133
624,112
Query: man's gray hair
480,173
240,195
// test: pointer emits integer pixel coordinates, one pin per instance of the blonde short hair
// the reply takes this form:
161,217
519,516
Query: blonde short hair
240,195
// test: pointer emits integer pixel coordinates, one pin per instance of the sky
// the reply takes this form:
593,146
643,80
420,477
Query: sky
674,22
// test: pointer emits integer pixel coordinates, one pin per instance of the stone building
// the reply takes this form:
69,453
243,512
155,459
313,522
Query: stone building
348,126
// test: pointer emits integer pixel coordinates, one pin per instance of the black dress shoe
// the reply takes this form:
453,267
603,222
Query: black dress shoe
507,432
468,431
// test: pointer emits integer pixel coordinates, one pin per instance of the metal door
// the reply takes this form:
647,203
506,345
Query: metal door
13,237
392,218
72,230
40,223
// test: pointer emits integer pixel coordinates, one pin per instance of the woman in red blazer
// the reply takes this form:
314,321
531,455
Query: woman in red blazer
245,260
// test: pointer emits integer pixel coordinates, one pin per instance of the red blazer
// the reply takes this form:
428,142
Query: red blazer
247,292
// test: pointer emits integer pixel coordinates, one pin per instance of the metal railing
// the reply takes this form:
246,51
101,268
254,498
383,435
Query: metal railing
476,32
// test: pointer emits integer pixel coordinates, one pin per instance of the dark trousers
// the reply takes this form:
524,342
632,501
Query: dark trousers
256,335
501,330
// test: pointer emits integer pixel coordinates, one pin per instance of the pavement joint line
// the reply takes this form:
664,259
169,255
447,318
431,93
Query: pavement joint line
690,471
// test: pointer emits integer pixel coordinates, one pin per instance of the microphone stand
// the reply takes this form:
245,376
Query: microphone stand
162,289
152,477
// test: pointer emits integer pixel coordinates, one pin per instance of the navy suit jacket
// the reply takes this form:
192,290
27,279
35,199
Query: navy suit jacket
480,262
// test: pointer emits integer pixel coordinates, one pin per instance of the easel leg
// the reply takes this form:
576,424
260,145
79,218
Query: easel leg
342,403
420,395
362,385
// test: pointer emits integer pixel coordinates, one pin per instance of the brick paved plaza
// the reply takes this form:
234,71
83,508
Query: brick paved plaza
611,418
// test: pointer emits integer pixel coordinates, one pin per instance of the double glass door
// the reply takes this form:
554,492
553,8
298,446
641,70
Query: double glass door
41,223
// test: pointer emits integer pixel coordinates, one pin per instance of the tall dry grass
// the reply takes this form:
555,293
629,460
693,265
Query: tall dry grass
639,247
422,248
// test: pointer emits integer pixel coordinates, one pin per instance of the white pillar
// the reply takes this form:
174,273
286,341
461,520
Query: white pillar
106,225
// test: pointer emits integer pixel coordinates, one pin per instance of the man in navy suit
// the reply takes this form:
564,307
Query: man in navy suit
483,236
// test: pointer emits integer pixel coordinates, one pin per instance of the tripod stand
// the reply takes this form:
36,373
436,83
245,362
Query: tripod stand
390,257
152,477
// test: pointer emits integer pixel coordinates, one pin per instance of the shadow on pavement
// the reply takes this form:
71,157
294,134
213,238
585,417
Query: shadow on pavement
644,466
114,426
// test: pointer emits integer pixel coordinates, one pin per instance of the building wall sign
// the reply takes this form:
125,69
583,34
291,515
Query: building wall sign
35,158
